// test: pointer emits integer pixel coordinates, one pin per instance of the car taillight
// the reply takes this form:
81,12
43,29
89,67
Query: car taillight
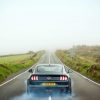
63,78
34,78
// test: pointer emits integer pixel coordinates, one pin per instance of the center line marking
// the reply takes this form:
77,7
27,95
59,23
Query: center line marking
49,98
49,59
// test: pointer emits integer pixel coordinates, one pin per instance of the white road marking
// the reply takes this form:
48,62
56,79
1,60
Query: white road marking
49,98
79,73
87,78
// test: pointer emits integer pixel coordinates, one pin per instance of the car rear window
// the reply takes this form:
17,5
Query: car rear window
49,69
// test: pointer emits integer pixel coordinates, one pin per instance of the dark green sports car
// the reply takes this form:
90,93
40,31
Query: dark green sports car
49,78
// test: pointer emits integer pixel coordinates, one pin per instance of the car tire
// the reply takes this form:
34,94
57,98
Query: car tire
27,87
70,88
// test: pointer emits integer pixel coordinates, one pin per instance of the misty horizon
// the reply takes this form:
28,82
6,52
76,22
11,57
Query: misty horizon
48,25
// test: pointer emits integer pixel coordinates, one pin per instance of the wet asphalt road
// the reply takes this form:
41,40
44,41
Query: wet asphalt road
81,87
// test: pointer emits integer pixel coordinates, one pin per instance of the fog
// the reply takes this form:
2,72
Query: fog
48,24
45,96
25,96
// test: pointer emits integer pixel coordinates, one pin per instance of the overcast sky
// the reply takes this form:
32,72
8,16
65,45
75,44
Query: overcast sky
48,24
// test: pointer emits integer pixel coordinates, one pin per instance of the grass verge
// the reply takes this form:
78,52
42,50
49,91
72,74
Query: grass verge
11,64
81,64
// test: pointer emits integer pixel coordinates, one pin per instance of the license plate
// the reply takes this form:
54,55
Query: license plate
48,84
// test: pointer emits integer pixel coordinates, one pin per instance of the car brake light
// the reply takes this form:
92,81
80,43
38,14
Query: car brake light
34,78
63,78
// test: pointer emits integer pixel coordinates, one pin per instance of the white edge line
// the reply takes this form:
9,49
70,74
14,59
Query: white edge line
18,74
80,74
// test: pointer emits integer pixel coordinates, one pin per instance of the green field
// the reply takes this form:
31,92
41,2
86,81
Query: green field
83,59
11,64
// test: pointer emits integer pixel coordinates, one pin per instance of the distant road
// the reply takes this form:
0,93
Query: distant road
82,88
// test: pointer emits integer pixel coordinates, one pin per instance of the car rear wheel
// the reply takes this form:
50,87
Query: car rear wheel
69,88
70,92
28,91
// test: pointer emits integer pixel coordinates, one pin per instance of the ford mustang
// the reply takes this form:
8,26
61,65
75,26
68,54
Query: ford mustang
49,78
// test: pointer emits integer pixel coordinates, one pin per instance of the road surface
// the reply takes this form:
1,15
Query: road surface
82,88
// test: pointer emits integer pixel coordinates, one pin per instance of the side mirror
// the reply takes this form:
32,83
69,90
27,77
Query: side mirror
69,71
30,71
